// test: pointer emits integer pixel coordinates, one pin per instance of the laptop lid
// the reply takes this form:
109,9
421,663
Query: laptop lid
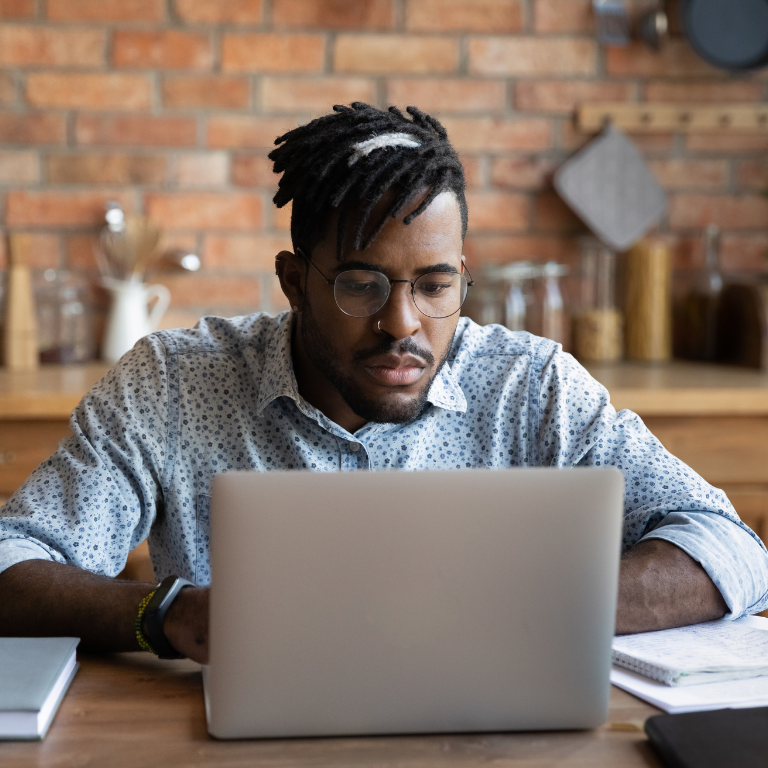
411,602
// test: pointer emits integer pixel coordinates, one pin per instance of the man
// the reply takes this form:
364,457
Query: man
373,368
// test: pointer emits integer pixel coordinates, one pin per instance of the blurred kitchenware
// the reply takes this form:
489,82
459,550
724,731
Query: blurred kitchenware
546,316
128,245
696,304
729,34
129,316
611,21
648,308
743,323
64,318
654,27
609,185
20,326
597,323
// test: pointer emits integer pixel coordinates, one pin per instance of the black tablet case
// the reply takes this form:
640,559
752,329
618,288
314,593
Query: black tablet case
724,738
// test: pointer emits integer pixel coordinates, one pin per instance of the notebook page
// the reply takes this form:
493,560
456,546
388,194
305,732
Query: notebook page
716,645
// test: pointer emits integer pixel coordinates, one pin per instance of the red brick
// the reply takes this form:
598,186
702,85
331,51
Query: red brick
727,142
243,253
737,212
675,59
79,251
563,16
528,172
738,252
333,14
39,251
18,167
434,95
17,9
691,174
106,169
7,88
23,45
497,249
473,171
201,169
89,91
134,130
236,294
707,92
213,91
235,131
253,171
752,174
220,11
497,211
51,208
281,94
564,96
459,15
552,215
273,53
201,210
169,49
532,56
281,217
483,134
418,54
32,128
106,10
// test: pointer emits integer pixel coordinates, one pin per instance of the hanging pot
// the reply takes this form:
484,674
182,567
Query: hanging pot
729,34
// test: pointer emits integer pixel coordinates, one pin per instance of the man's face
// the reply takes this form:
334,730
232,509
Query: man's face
380,366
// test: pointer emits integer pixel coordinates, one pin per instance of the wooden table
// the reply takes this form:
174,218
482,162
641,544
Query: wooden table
134,710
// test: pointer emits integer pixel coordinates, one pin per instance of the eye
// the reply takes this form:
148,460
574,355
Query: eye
435,286
360,288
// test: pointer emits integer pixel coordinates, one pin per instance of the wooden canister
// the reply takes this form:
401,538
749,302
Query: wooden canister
20,331
648,311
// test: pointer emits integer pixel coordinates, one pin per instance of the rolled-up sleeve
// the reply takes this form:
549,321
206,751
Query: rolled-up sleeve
664,498
97,496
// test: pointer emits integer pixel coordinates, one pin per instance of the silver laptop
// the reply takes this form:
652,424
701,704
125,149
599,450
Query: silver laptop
411,602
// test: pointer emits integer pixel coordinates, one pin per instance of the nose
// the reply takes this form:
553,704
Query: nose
399,317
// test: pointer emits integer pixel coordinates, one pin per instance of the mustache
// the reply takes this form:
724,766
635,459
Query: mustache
403,347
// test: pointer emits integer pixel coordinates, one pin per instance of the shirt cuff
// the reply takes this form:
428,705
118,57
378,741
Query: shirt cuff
14,551
732,557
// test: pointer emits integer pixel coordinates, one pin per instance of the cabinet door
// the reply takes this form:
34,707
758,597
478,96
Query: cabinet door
23,445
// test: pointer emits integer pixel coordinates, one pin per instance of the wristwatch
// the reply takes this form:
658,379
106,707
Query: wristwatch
152,624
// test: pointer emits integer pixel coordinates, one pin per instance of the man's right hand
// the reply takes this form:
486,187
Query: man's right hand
186,623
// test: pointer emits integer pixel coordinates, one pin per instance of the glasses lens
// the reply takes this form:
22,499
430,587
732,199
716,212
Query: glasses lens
360,293
440,294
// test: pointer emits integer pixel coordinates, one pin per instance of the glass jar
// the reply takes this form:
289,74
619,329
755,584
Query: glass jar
65,319
597,324
546,316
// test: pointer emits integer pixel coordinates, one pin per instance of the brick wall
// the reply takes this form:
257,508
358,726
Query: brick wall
170,106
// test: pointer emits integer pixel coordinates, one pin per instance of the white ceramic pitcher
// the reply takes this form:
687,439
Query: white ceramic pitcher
129,315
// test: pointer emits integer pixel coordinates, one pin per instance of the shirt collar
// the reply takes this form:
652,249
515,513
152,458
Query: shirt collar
278,378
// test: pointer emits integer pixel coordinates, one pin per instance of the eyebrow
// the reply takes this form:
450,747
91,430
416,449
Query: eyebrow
350,265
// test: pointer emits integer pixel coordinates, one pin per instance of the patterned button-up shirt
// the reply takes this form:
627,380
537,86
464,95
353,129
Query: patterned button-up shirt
185,405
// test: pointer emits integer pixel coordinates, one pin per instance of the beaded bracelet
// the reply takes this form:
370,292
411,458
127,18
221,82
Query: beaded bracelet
140,636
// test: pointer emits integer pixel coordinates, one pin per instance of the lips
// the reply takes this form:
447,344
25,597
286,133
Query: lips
394,370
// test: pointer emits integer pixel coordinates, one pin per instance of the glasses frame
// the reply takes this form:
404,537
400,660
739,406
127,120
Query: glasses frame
412,283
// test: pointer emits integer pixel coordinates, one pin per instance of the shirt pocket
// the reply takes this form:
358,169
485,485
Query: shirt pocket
202,540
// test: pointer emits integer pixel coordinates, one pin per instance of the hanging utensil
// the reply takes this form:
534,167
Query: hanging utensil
612,22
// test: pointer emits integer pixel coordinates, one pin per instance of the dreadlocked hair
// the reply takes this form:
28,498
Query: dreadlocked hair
325,169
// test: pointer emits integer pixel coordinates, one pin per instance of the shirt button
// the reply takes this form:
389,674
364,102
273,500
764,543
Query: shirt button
354,447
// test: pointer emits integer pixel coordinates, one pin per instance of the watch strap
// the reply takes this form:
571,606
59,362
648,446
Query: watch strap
154,614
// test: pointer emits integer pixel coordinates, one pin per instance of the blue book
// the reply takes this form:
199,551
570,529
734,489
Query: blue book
35,673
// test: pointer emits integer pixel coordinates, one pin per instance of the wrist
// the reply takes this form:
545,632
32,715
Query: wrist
151,619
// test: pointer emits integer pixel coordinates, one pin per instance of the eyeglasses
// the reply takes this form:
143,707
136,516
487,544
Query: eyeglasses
363,292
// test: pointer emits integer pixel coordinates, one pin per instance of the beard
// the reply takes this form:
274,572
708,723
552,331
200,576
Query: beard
325,356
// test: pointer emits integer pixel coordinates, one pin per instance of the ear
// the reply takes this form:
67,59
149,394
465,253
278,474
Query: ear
291,270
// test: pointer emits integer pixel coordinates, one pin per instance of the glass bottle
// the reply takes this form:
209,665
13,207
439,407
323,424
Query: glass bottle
547,312
696,309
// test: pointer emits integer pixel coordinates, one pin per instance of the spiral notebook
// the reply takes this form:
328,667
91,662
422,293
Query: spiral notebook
704,653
